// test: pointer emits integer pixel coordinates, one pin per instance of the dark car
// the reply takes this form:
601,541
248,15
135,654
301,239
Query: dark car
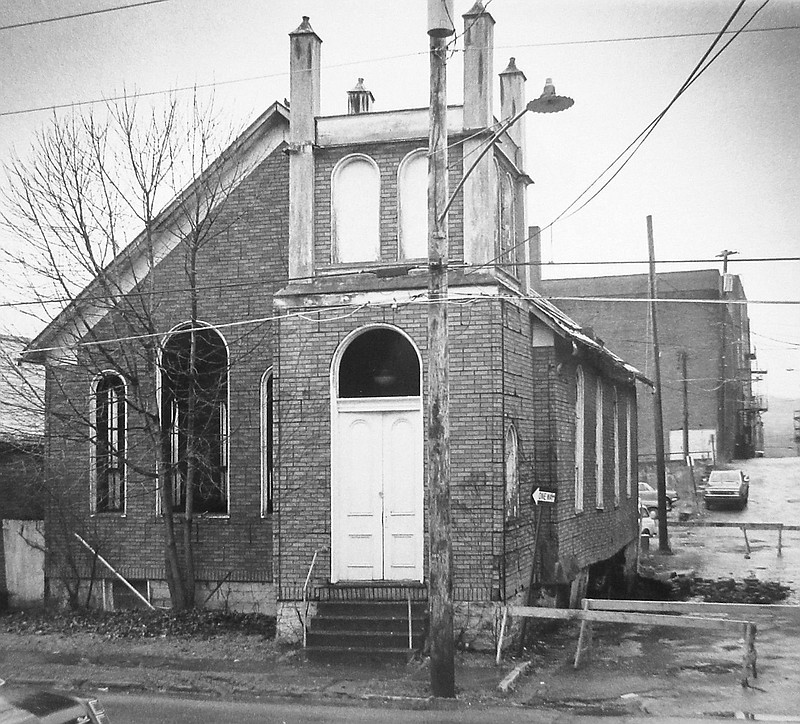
648,496
727,488
27,706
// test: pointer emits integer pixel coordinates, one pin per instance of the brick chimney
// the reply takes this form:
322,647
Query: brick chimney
480,188
304,95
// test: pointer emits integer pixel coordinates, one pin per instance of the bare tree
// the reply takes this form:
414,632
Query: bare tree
98,204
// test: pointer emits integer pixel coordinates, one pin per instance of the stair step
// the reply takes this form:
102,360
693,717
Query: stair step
376,609
363,639
351,623
346,654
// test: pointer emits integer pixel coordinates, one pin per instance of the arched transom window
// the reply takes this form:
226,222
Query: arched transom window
194,394
380,362
355,193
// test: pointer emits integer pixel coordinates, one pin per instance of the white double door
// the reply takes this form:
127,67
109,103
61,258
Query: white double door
377,490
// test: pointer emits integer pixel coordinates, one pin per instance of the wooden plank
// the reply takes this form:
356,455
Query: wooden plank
644,619
733,524
692,608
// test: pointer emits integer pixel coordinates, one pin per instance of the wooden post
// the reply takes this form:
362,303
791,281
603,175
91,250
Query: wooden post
502,635
780,541
584,638
442,668
658,415
749,653
746,541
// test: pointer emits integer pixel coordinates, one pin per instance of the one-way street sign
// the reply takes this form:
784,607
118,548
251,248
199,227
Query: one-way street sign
543,496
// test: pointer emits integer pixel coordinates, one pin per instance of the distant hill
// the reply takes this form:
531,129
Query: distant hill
779,428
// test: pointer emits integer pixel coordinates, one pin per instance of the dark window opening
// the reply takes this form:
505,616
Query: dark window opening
109,444
379,363
194,411
267,442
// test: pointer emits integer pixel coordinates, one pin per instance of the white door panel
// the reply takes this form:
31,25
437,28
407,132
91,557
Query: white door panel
377,496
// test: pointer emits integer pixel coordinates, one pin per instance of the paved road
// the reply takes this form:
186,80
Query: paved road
135,709
722,552
774,492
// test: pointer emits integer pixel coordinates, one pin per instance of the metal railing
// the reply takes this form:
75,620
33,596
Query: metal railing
305,594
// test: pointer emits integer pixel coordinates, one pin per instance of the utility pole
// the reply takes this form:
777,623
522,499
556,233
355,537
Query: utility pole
658,415
722,446
685,379
440,579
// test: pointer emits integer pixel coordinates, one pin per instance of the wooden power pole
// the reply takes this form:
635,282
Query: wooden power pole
658,414
440,580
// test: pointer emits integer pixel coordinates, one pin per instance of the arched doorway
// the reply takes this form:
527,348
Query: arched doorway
377,458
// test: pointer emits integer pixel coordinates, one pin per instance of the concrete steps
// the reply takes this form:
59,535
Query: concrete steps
366,631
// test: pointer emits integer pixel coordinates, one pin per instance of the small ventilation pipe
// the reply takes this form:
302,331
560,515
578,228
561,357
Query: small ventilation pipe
359,99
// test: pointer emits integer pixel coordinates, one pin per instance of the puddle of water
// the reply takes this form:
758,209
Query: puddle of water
752,716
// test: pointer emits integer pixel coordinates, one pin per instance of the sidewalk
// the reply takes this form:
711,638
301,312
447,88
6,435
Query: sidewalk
632,670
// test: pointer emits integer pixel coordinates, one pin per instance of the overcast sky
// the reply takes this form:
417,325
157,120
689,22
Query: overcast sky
721,171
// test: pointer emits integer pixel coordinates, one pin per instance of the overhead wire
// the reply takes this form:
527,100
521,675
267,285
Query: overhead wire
637,142
72,16
266,76
166,291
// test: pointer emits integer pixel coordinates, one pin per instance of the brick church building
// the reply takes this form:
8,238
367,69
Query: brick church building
317,451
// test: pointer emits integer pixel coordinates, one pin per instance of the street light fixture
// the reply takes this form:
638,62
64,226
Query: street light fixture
548,102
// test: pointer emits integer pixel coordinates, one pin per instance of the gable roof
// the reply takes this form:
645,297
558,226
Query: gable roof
247,151
568,328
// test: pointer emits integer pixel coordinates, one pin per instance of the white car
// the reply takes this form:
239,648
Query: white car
648,525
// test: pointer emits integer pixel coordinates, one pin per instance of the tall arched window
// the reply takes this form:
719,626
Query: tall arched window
355,194
580,429
109,444
512,473
506,221
629,432
617,451
194,411
266,442
599,457
412,199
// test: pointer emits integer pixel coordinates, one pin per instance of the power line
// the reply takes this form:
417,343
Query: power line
29,23
698,70
250,79
635,38
346,310
251,283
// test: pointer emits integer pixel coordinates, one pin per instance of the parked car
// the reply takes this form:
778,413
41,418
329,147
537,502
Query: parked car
648,525
648,496
33,706
727,487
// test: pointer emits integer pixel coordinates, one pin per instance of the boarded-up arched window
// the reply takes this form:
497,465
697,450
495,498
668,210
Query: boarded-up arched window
355,193
580,429
412,200
512,473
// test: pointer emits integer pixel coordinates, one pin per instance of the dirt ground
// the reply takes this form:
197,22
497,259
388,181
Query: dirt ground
631,670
